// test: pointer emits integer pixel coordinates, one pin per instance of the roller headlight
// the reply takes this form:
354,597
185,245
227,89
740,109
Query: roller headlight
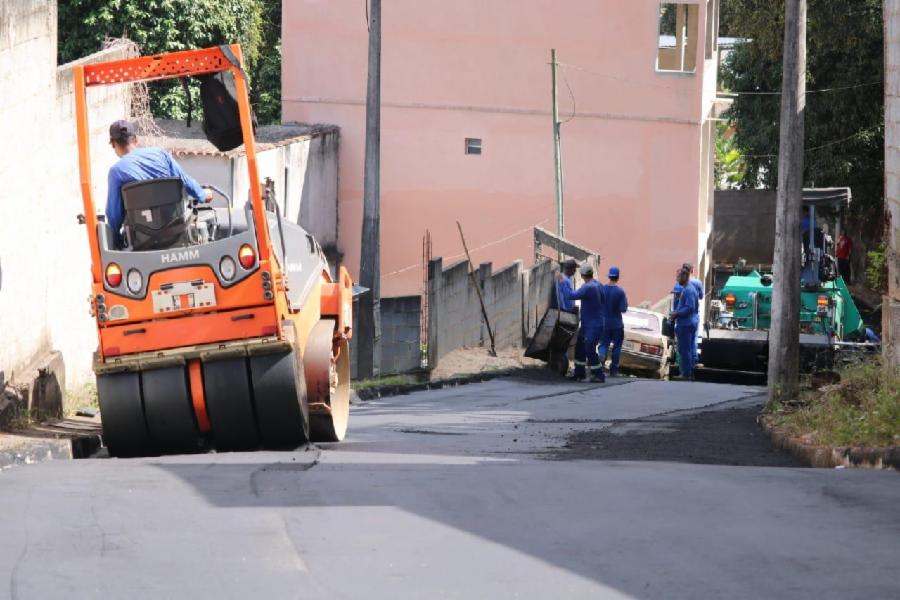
227,268
135,281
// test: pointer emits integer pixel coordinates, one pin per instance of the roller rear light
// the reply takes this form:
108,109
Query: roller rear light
730,300
247,256
113,275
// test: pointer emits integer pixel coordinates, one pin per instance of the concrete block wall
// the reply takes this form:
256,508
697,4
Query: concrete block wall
30,142
503,296
539,295
72,328
515,300
44,261
400,334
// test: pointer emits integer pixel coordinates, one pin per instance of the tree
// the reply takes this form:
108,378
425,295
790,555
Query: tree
171,25
844,126
729,169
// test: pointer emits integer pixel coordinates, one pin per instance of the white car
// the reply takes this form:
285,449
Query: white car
646,349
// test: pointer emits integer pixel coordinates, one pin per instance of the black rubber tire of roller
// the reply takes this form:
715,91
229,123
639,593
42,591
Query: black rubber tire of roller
229,404
279,394
122,413
169,410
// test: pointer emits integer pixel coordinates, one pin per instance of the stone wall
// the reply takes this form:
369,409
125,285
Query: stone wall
44,259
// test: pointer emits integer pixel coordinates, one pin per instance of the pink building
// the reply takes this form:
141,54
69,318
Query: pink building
467,128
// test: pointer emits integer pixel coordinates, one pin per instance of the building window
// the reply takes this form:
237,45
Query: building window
473,145
678,30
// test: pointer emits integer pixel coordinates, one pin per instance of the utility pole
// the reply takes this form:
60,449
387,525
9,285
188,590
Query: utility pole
784,335
369,323
890,329
557,157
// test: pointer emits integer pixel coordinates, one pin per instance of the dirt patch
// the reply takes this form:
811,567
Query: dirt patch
725,435
467,361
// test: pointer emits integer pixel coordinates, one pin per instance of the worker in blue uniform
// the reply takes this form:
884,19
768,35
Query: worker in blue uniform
698,286
613,328
686,321
565,287
591,295
138,163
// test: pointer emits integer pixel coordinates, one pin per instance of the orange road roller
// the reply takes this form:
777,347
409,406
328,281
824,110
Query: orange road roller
218,327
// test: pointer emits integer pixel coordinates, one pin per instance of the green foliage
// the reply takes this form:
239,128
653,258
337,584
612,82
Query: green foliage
170,25
729,170
844,128
862,410
876,268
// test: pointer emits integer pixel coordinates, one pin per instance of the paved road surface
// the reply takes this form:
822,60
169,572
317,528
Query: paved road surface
456,493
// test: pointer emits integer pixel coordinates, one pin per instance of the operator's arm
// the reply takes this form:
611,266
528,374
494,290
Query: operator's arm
114,209
580,293
623,303
190,184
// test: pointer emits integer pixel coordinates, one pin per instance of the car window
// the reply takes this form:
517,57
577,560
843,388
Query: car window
643,322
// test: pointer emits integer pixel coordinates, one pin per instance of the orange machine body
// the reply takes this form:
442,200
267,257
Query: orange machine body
255,307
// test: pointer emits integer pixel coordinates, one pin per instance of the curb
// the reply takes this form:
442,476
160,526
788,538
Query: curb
372,393
30,450
828,457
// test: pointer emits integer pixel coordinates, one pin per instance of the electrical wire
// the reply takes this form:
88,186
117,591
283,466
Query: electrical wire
471,251
819,91
813,148
633,82
572,95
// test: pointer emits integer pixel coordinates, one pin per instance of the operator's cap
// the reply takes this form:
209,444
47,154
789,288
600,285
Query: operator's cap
586,269
121,130
613,273
570,263
688,266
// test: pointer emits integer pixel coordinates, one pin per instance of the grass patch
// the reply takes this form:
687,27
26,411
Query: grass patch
388,380
862,410
83,397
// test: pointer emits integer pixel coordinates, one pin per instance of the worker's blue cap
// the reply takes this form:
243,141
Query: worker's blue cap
677,289
613,272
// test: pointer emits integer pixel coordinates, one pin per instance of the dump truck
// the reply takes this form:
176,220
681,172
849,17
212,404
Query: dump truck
218,327
736,333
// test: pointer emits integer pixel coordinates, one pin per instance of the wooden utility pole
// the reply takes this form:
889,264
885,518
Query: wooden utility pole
557,151
891,305
784,335
369,322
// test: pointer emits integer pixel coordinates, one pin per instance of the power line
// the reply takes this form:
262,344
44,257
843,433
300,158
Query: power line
473,250
819,91
813,148
633,82
572,95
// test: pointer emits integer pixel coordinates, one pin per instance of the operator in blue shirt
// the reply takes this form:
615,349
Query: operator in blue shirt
140,164
565,287
698,286
592,299
613,328
686,321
